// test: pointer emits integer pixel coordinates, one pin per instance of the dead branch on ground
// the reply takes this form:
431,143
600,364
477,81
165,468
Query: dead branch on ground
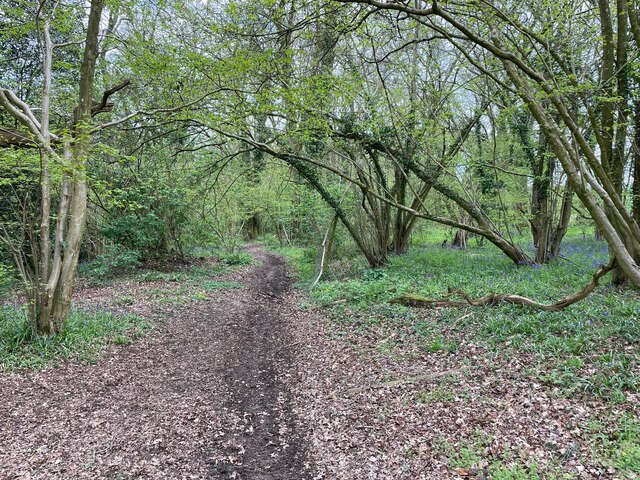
493,299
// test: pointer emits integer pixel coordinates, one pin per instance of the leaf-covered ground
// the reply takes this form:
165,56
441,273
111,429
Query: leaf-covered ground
243,378
495,392
469,413
204,396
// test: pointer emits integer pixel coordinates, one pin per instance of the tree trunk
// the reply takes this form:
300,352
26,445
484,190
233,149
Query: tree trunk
77,187
563,224
460,239
49,273
617,227
636,164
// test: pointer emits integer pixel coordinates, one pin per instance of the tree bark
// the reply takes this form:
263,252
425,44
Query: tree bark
78,182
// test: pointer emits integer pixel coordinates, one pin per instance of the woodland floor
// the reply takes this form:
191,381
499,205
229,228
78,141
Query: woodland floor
253,383
206,395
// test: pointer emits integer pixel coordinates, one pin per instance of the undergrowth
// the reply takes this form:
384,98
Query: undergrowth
88,334
126,265
592,349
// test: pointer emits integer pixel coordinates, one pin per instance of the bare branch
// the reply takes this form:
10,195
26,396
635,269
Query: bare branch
104,105
155,111
493,299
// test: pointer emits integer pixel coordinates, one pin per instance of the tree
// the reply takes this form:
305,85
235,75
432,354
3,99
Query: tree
342,112
529,42
47,265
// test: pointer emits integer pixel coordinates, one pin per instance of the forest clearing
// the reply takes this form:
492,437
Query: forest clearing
341,239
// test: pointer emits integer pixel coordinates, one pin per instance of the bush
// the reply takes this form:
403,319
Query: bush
145,214
107,263
236,259
143,232
6,279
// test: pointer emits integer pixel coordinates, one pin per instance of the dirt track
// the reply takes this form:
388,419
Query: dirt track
206,396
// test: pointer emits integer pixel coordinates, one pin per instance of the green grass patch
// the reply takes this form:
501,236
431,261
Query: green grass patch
471,456
590,348
303,260
86,336
235,258
617,442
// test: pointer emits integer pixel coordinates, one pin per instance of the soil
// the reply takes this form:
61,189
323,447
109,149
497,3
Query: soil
255,383
207,395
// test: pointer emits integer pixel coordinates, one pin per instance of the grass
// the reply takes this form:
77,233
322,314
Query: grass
89,332
589,348
87,335
592,349
618,441
190,285
99,272
467,456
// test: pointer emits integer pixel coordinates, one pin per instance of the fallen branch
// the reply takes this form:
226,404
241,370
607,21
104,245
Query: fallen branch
402,381
493,299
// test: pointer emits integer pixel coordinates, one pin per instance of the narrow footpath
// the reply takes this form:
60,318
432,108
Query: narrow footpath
205,396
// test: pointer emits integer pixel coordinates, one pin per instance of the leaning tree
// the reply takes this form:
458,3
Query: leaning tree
578,92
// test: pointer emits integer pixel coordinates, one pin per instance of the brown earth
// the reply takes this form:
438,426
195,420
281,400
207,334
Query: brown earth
248,384
207,395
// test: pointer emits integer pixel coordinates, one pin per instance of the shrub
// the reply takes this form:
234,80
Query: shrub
236,259
107,263
6,279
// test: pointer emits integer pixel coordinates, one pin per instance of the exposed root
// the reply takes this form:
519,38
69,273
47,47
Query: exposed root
493,299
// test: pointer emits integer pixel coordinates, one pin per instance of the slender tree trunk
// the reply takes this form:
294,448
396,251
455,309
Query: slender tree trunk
41,314
78,179
563,224
636,163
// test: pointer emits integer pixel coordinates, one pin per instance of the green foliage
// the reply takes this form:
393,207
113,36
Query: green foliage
589,348
235,259
19,188
115,260
124,265
303,260
87,334
617,442
470,455
142,231
7,279
149,216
